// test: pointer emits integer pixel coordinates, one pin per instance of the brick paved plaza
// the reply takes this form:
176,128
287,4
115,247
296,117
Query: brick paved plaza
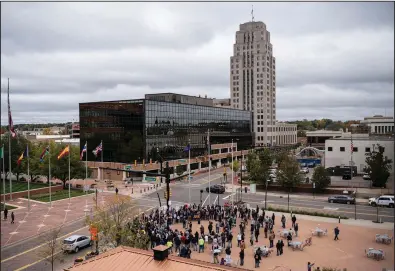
348,252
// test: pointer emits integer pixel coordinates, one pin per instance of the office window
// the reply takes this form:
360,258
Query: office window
367,149
355,149
342,149
330,148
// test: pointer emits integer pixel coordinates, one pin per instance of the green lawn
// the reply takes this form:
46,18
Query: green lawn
58,195
20,186
8,207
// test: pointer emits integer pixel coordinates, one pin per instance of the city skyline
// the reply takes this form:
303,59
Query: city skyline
57,58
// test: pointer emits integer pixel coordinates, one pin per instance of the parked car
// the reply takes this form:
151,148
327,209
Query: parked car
218,189
341,199
366,177
346,176
75,242
384,200
305,170
311,165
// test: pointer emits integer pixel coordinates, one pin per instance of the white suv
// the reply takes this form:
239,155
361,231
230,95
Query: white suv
384,200
75,242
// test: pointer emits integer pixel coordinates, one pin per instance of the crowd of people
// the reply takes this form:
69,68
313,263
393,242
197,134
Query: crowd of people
218,235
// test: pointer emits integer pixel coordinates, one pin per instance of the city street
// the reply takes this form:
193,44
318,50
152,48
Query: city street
24,255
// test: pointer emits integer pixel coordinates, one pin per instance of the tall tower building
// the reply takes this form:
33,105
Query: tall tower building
253,84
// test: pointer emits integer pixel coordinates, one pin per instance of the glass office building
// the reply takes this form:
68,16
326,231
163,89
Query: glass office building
148,128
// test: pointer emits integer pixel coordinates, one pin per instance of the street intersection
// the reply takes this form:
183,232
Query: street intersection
19,253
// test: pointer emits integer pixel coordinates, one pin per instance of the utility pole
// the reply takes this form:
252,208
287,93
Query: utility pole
241,178
266,194
167,184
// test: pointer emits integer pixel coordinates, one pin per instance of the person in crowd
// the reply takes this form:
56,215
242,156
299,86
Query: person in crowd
222,261
293,221
278,247
241,255
5,213
201,244
12,218
336,230
273,218
289,238
310,266
238,239
283,220
271,239
228,252
257,257
281,247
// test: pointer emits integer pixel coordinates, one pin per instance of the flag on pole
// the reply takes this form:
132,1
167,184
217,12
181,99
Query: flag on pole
44,153
83,150
10,123
2,152
187,148
23,155
98,149
352,145
64,152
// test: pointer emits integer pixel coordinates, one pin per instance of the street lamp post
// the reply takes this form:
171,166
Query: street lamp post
161,164
267,181
201,193
241,178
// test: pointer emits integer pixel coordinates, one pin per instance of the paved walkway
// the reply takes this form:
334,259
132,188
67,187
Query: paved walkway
348,252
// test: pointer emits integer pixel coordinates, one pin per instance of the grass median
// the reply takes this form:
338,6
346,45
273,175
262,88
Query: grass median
8,207
59,195
20,186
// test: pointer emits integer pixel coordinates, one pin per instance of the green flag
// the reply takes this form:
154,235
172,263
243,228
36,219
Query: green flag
2,152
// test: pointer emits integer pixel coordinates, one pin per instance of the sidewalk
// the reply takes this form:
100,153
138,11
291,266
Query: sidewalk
296,196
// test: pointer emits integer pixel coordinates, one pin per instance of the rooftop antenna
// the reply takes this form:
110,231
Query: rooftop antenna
252,13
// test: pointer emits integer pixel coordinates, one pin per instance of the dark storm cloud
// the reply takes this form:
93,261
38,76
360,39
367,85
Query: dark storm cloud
333,59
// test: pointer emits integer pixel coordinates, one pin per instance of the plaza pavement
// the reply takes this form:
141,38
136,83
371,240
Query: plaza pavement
348,252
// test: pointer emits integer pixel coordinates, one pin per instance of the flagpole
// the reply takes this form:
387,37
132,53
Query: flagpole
86,171
28,177
189,169
3,175
231,167
209,167
101,154
49,175
9,138
69,174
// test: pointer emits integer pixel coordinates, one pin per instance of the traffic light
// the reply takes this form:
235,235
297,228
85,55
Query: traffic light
165,193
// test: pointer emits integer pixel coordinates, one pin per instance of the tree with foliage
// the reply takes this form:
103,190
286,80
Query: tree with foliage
321,178
265,162
18,146
288,174
280,157
47,131
378,167
113,221
235,166
60,168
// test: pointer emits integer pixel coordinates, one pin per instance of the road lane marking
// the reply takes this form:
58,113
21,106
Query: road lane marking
63,236
37,247
205,200
216,198
330,208
229,196
36,262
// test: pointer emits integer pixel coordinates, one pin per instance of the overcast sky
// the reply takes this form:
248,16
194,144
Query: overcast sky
334,60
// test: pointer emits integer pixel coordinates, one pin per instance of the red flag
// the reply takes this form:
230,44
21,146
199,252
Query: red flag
10,123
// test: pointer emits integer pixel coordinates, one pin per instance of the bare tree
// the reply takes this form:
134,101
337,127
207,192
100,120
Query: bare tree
50,252
111,219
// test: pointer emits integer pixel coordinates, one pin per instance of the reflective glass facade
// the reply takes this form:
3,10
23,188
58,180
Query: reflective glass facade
138,129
